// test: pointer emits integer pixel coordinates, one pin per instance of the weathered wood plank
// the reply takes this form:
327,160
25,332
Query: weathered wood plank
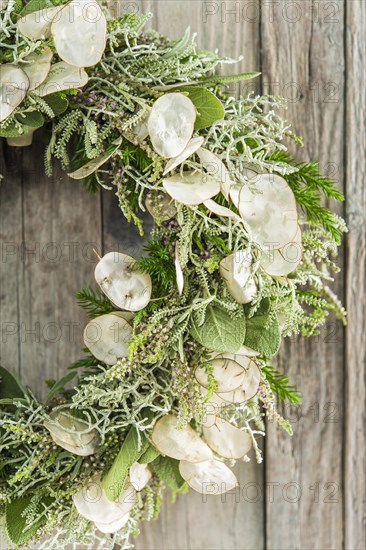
303,60
191,523
57,228
355,393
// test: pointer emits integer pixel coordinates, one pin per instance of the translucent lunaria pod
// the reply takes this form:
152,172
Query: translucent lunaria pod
14,84
211,477
179,273
237,272
216,168
220,210
80,33
107,337
62,76
120,281
37,25
250,384
93,504
24,140
270,211
3,4
171,124
227,440
140,475
36,66
181,444
92,165
160,205
193,188
229,375
280,262
249,352
72,434
212,409
192,146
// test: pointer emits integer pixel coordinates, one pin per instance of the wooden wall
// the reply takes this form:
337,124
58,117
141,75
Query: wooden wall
310,491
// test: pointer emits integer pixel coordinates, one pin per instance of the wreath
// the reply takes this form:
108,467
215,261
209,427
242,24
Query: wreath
176,380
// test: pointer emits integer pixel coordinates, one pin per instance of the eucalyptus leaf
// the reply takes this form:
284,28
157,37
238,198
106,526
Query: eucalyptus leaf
209,107
263,334
219,331
115,480
167,469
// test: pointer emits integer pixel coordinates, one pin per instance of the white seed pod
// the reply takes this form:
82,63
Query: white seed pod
92,503
62,76
178,273
212,408
140,129
250,385
221,210
193,188
280,262
140,475
227,440
160,206
211,477
37,25
24,140
248,352
3,4
216,168
171,124
271,213
107,337
36,66
113,526
191,147
14,84
247,175
72,434
181,444
237,272
80,33
92,165
228,374
126,287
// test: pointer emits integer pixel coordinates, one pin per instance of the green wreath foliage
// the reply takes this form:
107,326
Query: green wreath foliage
205,309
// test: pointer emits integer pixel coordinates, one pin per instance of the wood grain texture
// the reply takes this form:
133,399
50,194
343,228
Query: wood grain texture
311,491
355,393
303,59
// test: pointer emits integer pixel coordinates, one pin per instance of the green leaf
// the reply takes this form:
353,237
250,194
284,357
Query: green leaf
130,452
263,334
220,79
219,331
36,5
149,455
57,103
32,119
9,385
10,131
16,525
167,469
59,385
209,107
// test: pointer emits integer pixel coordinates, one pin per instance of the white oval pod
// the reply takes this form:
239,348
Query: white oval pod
211,477
37,25
36,66
228,374
171,124
227,440
216,168
140,475
113,526
193,188
14,84
212,408
93,504
236,270
280,262
80,33
62,76
160,206
250,385
192,146
271,213
181,444
72,434
107,337
126,287
24,140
